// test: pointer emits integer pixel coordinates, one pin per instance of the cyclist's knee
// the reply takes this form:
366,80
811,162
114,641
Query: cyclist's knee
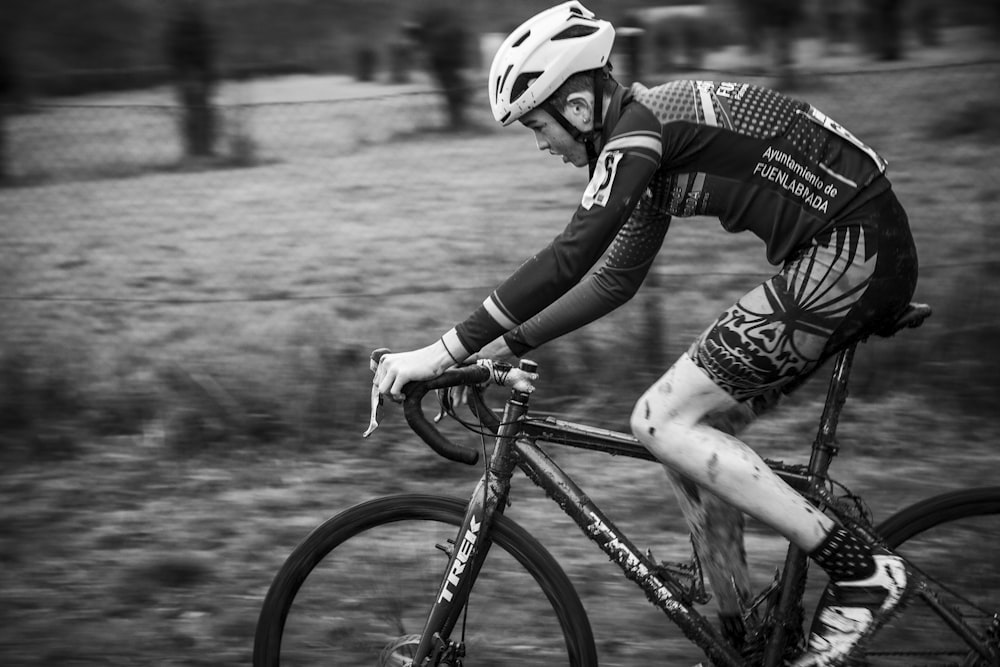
657,410
674,404
648,420
664,432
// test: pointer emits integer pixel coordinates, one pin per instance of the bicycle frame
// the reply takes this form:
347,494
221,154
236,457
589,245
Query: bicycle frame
515,447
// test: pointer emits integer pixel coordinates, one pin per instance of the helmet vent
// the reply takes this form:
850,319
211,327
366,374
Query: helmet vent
503,79
576,31
521,84
521,39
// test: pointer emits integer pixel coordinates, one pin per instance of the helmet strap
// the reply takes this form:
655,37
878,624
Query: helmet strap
556,113
588,139
598,101
589,142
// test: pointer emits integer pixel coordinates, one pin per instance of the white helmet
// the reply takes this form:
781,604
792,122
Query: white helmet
541,54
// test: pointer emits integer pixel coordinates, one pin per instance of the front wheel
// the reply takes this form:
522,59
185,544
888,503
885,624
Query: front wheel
953,539
357,591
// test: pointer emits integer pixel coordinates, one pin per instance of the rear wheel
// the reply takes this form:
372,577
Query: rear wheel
357,591
953,539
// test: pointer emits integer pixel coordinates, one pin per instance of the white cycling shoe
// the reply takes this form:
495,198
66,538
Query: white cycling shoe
853,610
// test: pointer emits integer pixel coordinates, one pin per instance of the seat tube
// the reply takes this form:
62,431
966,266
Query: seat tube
824,447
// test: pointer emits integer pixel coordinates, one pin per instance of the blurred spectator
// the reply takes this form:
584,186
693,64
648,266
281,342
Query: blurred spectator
367,63
400,57
928,22
190,44
445,39
835,20
776,20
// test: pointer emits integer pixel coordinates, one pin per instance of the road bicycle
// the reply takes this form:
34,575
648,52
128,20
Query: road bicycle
417,580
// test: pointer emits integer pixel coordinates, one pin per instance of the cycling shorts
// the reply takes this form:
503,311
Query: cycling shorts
853,280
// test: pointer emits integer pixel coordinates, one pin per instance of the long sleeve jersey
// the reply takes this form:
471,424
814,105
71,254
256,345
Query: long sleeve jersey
756,159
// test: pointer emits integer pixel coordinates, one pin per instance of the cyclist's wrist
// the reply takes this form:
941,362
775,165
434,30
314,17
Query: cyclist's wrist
450,350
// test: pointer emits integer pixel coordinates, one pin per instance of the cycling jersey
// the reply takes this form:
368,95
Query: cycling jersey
756,159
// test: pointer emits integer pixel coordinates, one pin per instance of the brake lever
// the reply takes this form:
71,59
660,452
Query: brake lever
376,397
376,410
445,404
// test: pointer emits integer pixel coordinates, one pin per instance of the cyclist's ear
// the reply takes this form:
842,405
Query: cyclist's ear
579,110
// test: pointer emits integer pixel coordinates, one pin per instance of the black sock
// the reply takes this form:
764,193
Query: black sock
844,556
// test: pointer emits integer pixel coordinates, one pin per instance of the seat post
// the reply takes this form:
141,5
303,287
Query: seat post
825,445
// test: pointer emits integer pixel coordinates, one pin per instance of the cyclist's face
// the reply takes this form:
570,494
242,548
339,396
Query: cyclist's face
552,137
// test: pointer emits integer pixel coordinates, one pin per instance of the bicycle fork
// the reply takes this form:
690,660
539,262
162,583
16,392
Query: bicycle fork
470,548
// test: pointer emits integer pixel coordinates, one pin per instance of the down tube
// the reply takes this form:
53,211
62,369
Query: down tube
665,594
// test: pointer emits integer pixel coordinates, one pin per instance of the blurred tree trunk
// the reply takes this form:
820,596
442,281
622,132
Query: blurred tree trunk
654,332
7,91
190,43
882,27
4,169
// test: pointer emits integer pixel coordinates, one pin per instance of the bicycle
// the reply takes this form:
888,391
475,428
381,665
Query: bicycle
433,598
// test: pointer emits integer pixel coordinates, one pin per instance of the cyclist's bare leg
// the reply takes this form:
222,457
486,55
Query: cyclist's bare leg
774,335
716,526
668,420
826,297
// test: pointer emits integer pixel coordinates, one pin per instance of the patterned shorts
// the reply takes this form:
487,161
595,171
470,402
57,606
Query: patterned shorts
853,280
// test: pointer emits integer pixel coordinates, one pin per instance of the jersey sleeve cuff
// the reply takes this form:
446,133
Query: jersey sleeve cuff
453,345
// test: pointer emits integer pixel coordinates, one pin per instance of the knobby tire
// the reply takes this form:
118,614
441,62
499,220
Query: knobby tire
322,609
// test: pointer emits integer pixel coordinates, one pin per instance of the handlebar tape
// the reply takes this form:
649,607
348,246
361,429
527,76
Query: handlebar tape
414,393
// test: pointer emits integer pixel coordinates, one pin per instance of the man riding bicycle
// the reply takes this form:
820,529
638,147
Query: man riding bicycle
759,161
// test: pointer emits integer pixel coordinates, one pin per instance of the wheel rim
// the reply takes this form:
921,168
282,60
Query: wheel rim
365,600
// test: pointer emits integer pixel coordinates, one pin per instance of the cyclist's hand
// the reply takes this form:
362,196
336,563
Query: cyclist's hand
497,350
454,396
396,370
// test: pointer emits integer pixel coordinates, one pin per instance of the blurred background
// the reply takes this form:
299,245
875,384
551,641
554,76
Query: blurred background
212,210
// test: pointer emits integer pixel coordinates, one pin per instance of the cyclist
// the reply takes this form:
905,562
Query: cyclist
761,162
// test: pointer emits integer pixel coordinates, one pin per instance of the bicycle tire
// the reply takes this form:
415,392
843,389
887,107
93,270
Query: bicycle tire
339,624
953,538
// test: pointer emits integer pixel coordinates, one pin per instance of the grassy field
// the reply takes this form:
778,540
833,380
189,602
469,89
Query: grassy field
183,349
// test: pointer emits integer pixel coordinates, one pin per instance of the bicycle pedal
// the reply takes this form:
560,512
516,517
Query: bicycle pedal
695,592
